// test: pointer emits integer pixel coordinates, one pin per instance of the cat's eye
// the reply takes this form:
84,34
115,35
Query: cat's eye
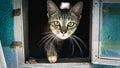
56,23
70,24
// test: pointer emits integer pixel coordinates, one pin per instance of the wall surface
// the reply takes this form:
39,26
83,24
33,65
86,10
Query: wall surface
7,32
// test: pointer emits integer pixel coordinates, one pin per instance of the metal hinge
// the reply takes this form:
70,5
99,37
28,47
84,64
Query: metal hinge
17,12
16,44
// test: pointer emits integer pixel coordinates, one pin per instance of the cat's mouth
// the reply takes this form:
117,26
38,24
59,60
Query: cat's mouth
63,36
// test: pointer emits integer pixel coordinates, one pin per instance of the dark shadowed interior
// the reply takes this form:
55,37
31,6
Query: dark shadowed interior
37,21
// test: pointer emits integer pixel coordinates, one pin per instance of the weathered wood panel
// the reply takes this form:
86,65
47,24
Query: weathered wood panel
7,32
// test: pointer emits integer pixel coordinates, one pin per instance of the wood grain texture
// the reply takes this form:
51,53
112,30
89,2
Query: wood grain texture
7,32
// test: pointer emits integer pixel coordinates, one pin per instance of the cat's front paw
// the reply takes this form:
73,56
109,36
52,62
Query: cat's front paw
52,59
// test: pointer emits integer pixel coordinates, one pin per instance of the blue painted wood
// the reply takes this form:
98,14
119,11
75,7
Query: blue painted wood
7,32
104,66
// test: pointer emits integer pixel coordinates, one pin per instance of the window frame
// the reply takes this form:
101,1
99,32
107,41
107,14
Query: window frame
96,43
20,35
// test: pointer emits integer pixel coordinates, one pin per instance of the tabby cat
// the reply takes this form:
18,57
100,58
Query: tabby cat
62,24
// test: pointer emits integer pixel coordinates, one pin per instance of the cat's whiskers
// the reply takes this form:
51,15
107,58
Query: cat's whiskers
50,39
72,45
77,44
45,39
54,38
80,41
46,33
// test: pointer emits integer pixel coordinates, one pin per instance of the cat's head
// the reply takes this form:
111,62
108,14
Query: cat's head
63,23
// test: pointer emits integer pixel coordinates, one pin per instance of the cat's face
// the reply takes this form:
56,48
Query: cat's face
63,24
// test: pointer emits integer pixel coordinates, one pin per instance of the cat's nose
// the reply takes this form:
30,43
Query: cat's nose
63,31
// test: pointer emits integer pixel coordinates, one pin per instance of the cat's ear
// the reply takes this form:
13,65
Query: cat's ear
77,9
51,7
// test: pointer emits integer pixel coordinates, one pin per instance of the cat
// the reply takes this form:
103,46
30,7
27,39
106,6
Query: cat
62,25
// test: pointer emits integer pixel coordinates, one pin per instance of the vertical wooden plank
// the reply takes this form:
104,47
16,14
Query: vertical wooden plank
7,32
18,32
95,31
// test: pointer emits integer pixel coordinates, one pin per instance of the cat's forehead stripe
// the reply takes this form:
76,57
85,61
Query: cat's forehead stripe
64,17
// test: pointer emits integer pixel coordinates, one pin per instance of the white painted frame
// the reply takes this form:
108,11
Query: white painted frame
96,43
2,58
18,33
19,36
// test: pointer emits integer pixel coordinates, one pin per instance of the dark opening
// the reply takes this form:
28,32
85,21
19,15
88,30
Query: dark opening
37,20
